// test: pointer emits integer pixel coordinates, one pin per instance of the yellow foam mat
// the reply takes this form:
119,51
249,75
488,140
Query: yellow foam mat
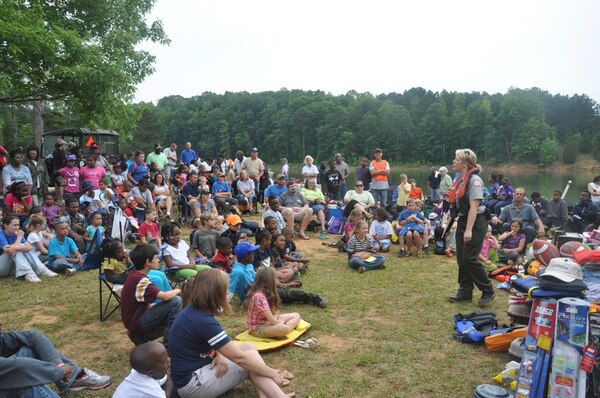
267,344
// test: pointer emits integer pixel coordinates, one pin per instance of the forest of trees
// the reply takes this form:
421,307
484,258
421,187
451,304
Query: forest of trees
418,126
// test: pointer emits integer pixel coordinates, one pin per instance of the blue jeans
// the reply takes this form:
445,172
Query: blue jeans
357,262
162,314
249,228
40,391
435,195
380,195
60,265
342,191
251,198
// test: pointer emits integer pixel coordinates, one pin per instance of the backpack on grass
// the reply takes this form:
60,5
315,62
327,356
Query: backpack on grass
474,327
335,225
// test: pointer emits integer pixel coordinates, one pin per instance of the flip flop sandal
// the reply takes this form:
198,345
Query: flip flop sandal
308,344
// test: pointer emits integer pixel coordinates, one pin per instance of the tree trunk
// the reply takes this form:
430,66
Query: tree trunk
38,122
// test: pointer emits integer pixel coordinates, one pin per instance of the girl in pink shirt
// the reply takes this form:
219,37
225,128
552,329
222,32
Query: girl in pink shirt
262,307
486,257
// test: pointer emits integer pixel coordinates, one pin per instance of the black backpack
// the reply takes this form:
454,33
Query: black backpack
474,327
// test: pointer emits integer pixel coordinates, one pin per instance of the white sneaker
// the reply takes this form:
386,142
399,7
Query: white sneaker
47,272
32,278
70,271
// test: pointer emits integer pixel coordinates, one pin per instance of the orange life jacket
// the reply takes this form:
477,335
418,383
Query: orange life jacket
380,166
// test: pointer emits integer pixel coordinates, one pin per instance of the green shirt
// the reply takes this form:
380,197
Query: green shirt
159,160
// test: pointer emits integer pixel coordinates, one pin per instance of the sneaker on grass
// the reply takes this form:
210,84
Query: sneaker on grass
89,380
47,272
32,278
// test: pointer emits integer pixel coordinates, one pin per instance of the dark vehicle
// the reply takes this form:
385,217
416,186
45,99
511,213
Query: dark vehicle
107,140
83,137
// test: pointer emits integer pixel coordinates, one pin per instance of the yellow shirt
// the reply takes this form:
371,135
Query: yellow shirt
114,265
403,193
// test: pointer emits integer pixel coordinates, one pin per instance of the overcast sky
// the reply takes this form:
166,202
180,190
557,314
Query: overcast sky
375,46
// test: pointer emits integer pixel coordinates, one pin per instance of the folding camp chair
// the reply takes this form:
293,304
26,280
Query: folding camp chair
93,258
113,301
173,275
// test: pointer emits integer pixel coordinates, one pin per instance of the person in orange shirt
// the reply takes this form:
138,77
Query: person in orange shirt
416,193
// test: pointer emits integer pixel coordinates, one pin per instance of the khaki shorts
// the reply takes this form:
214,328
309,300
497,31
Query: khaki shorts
205,383
260,332
297,216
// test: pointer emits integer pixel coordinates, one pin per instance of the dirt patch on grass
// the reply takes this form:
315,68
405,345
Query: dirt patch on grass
43,319
334,342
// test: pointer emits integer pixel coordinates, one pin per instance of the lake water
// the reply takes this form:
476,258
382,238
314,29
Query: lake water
544,182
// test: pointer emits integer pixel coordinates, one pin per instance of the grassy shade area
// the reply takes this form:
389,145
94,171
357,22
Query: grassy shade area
385,333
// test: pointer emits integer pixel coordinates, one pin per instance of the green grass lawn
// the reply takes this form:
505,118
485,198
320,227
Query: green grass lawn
385,333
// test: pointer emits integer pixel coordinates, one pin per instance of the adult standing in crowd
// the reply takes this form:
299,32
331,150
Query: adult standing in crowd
254,166
380,169
445,180
309,170
524,211
237,163
285,167
363,173
138,169
433,183
188,155
101,161
157,161
466,196
594,190
39,174
59,160
171,154
344,170
15,171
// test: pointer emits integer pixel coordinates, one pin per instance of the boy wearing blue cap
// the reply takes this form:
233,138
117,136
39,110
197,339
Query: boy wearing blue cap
242,273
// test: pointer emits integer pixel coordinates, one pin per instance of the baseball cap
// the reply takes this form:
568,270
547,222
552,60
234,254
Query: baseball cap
279,176
564,269
86,186
60,141
94,145
432,215
234,219
157,146
244,248
254,149
71,157
284,160
337,154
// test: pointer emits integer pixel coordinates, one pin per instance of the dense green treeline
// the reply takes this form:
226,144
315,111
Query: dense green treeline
417,126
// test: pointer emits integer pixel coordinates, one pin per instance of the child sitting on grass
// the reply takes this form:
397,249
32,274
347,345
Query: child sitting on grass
205,238
63,255
242,273
36,227
290,248
489,251
117,262
409,228
356,215
149,375
18,201
223,259
512,243
234,222
262,307
381,231
262,255
139,313
176,254
360,250
271,225
287,271
91,230
50,210
148,230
